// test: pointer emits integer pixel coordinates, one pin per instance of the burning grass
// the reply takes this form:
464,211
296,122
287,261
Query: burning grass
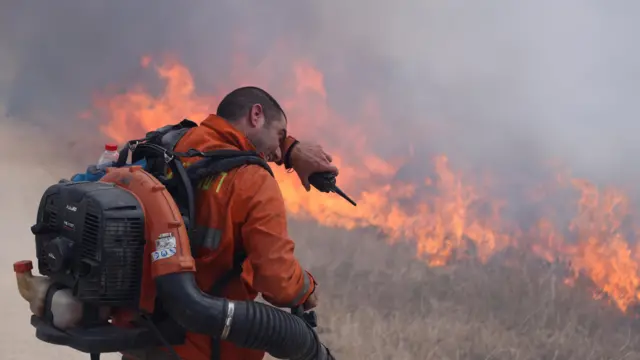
449,215
377,302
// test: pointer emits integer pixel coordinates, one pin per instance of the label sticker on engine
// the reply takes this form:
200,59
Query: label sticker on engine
165,241
163,254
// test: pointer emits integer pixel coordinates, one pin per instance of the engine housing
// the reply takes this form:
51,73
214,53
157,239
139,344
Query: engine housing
90,237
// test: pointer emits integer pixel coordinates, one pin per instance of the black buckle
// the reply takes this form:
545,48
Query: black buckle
133,144
168,157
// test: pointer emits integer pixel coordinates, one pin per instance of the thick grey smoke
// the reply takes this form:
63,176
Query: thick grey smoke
508,82
499,84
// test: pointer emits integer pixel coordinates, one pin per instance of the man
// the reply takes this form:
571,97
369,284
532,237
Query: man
244,211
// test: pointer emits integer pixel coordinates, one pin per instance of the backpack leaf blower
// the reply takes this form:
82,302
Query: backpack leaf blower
99,247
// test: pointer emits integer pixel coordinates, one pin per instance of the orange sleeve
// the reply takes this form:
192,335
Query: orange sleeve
284,148
277,273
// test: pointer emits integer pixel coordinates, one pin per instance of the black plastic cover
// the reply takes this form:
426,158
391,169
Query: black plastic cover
90,238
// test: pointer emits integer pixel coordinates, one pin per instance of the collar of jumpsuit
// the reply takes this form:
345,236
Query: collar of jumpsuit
227,136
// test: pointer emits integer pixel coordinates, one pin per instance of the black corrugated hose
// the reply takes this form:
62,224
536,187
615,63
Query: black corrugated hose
279,333
246,324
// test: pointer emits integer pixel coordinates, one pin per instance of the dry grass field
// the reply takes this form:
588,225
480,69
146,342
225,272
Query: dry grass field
378,302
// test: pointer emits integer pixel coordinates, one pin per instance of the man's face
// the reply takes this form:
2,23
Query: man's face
267,134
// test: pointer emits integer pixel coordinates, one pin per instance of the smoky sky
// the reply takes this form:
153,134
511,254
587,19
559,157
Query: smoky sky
493,84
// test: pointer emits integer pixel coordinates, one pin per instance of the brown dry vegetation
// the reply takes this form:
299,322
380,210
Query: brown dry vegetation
378,302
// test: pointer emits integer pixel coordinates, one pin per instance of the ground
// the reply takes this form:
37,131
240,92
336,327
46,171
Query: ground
377,300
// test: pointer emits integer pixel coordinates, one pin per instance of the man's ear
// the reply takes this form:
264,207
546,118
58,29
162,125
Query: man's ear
256,117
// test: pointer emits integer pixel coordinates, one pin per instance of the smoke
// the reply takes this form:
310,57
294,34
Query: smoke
497,84
515,82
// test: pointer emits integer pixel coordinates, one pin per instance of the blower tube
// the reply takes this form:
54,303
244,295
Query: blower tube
246,324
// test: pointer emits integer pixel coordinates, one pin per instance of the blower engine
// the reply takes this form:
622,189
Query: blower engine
97,246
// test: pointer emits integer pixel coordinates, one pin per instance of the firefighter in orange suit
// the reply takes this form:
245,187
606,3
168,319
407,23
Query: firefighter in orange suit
244,211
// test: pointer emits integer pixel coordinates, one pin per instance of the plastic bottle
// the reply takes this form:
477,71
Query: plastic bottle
108,157
31,288
66,310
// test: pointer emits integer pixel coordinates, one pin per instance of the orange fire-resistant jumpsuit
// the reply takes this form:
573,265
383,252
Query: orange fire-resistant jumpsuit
242,210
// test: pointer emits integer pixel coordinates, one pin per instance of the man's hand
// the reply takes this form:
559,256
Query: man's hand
309,158
312,302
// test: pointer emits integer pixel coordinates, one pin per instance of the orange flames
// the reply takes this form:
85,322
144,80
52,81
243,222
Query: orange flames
446,216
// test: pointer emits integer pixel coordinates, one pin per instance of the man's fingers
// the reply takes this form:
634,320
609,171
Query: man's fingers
328,157
311,302
305,182
332,168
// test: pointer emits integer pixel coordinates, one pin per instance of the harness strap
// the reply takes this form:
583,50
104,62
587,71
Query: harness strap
214,164
216,290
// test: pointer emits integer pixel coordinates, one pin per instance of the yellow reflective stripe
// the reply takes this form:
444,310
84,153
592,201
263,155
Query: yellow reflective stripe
224,175
205,183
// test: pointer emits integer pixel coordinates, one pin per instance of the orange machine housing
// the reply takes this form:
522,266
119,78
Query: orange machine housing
162,217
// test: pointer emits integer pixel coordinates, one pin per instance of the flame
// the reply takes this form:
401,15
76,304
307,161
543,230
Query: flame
447,216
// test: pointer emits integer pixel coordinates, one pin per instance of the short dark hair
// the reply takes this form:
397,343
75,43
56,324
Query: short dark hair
238,103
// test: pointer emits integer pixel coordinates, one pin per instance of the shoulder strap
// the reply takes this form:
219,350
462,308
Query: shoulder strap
166,137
